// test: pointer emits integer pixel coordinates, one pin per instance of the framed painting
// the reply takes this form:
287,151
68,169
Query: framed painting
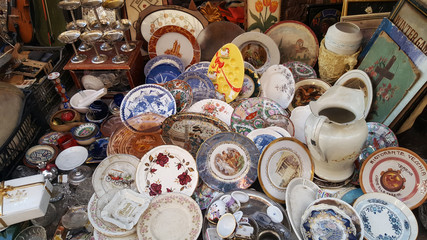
261,15
355,7
321,16
133,8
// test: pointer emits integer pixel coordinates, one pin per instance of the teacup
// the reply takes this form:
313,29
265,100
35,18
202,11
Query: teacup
269,235
244,232
216,210
226,226
232,204
98,109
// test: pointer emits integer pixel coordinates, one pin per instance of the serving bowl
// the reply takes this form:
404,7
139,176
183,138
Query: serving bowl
85,134
56,122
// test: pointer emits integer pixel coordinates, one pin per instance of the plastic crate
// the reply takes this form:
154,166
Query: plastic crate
32,125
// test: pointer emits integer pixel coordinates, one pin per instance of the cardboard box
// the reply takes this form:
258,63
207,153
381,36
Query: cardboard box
23,199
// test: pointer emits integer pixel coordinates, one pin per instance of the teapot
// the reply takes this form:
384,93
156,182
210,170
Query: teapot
335,132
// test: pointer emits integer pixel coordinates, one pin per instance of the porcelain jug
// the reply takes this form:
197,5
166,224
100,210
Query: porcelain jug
335,132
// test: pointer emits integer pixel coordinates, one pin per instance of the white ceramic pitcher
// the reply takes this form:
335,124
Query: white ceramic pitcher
335,132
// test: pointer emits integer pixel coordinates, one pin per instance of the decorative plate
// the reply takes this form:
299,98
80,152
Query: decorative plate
296,41
215,108
147,98
201,86
262,137
50,138
167,168
182,93
252,113
384,216
258,49
308,90
110,125
162,73
282,121
281,161
136,144
180,213
279,130
379,136
226,71
163,59
398,172
251,85
147,122
71,158
85,131
189,130
40,153
300,193
228,161
98,150
202,66
278,84
177,41
300,70
115,172
99,236
358,79
94,208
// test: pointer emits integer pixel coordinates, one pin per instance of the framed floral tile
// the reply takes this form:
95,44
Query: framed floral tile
261,14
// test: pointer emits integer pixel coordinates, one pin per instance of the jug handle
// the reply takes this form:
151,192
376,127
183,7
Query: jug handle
314,140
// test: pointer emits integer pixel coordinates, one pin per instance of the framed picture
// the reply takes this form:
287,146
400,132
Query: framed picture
367,23
413,91
355,7
321,16
410,16
261,15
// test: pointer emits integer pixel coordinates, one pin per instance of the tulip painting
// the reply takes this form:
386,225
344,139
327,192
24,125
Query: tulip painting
262,14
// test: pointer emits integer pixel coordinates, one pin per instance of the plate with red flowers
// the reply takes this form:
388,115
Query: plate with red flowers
167,168
215,108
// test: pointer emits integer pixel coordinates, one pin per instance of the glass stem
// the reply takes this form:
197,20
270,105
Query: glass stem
75,49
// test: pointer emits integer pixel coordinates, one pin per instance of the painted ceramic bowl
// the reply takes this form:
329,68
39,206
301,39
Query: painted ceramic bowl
85,134
40,153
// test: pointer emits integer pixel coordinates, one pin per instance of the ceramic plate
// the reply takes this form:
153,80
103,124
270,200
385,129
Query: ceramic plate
252,113
167,168
251,85
398,172
110,125
258,49
202,66
279,130
115,172
99,236
226,71
94,208
71,158
163,59
177,41
379,136
300,193
280,120
147,122
180,213
262,137
384,216
201,86
189,130
358,79
50,138
228,161
162,73
281,161
215,108
296,42
278,84
300,70
41,153
147,98
182,93
308,90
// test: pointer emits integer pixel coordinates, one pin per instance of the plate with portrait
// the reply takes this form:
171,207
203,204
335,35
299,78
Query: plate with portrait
228,161
258,49
296,42
281,161
189,130
398,172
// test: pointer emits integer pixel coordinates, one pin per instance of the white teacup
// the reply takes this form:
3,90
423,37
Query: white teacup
226,226
216,210
343,38
232,203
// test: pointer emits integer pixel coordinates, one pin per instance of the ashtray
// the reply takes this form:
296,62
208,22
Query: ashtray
75,217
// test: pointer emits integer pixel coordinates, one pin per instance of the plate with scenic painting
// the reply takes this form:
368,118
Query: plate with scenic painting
182,93
228,161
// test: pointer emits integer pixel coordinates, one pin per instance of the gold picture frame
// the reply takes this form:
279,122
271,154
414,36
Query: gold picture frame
357,7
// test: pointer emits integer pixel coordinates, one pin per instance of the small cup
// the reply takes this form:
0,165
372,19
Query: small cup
244,232
232,204
98,109
216,210
226,226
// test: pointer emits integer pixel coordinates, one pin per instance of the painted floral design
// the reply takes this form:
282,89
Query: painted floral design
162,159
386,92
265,18
184,178
155,189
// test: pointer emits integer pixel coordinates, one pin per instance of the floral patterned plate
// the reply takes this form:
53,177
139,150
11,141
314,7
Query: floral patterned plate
189,130
51,138
174,40
163,59
99,236
386,217
115,172
182,93
171,216
252,114
167,168
281,161
215,108
396,171
300,70
228,161
278,84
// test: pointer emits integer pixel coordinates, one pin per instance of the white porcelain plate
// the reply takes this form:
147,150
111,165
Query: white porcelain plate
278,84
215,108
71,158
262,137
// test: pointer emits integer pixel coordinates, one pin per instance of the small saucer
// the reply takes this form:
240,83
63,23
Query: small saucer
275,214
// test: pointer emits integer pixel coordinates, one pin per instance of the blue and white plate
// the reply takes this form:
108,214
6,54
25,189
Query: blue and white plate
262,137
202,66
386,217
162,73
161,59
200,84
147,98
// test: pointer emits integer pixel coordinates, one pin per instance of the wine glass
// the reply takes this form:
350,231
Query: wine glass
80,25
114,36
70,5
69,37
90,37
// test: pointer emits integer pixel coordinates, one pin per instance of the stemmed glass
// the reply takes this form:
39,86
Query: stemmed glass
113,36
69,37
90,37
